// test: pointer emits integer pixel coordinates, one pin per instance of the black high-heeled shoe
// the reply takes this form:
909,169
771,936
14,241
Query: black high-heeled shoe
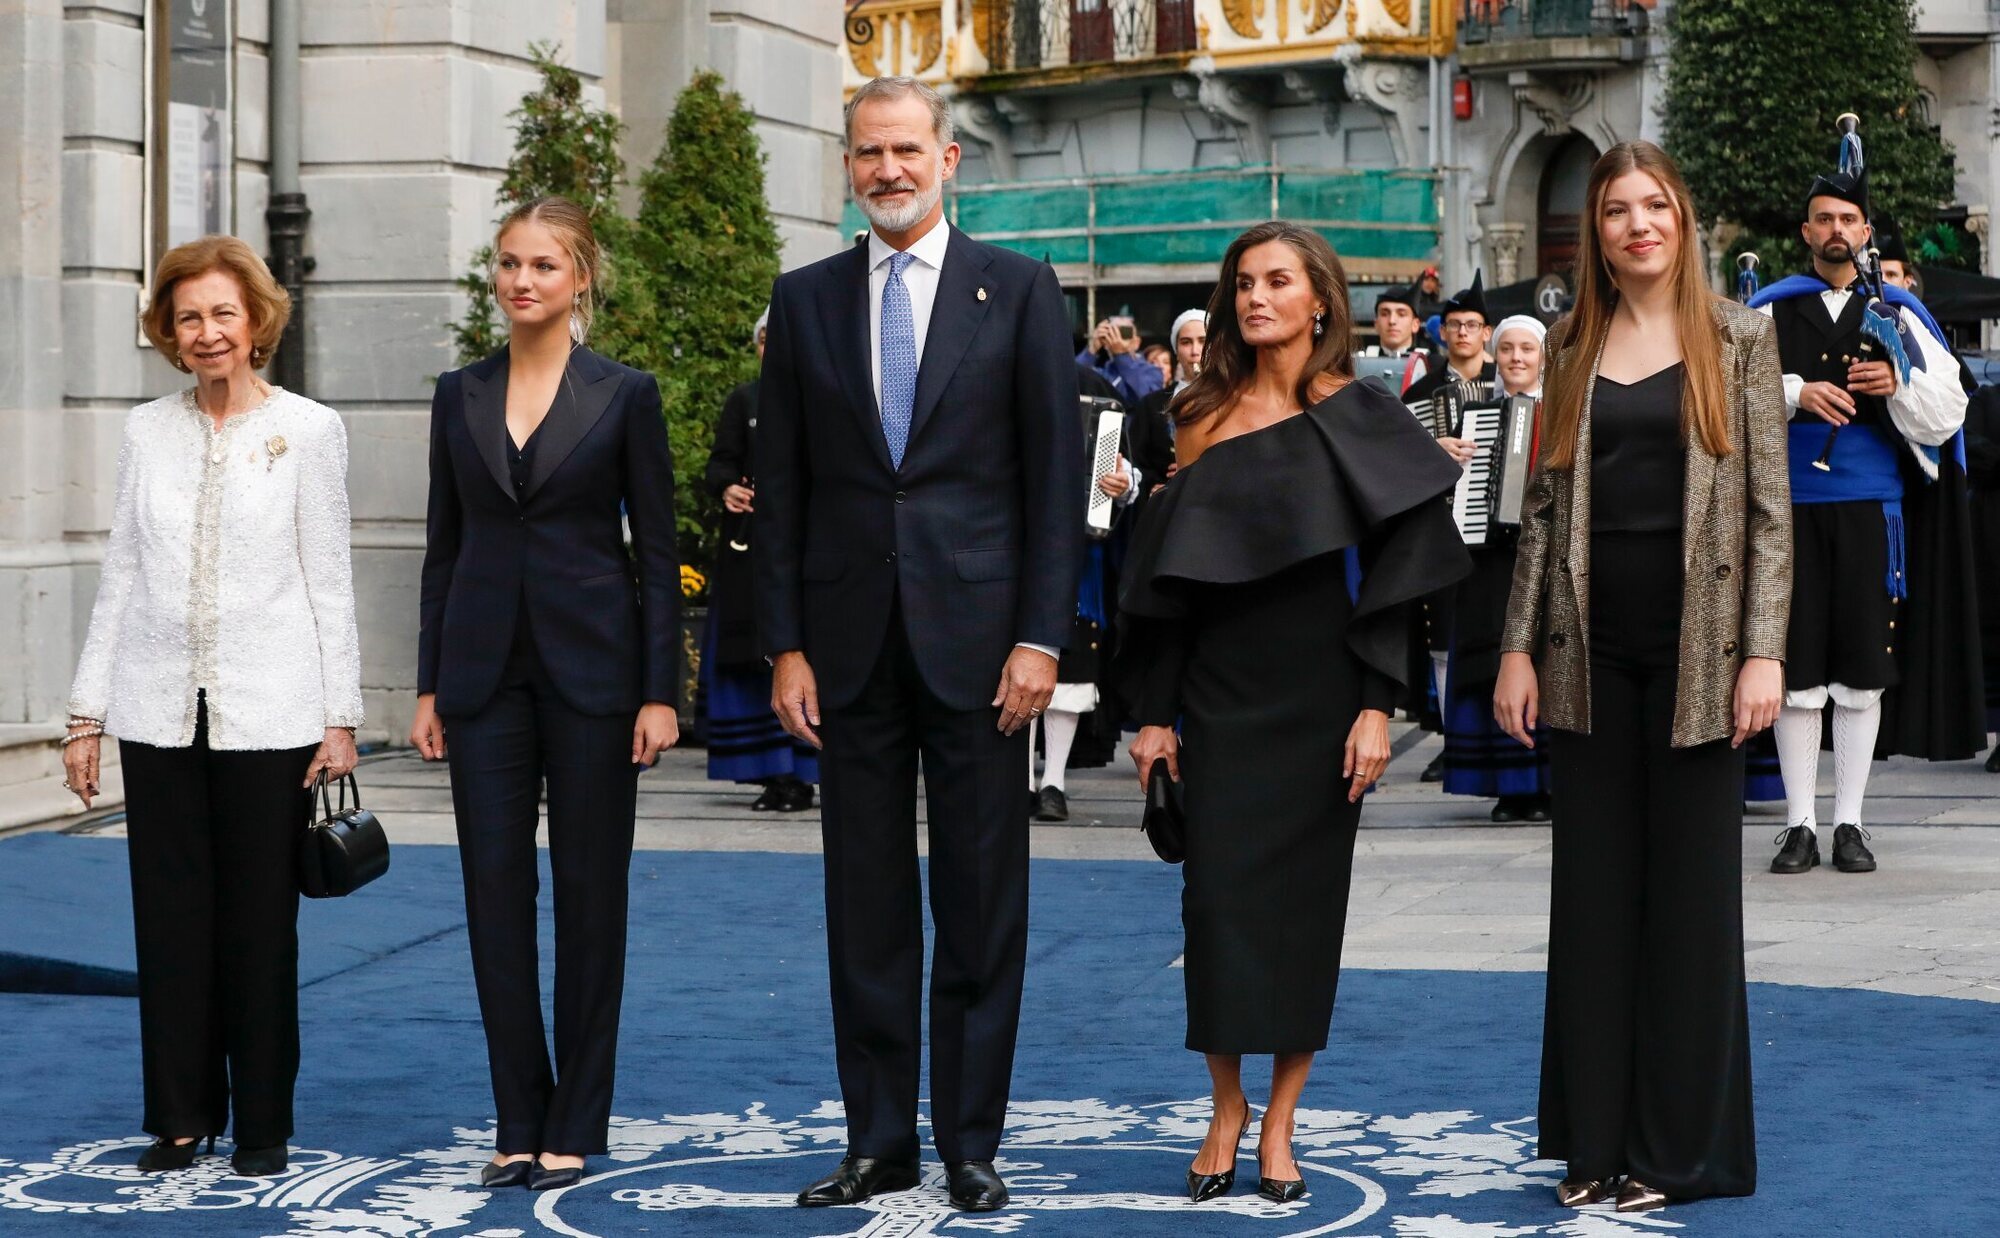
496,1175
1278,1190
542,1178
260,1162
165,1154
1204,1187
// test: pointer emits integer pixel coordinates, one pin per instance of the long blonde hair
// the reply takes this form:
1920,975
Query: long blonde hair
1704,402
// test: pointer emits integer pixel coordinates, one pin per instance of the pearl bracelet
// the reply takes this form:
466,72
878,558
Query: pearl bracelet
73,736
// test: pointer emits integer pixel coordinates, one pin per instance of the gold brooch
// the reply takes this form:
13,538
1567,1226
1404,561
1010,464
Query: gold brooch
273,448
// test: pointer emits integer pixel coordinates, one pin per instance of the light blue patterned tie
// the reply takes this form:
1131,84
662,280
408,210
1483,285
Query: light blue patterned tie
899,359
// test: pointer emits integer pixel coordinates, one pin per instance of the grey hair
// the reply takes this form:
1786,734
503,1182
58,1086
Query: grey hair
892,88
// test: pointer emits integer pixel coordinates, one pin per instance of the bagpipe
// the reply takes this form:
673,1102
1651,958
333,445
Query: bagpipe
1883,335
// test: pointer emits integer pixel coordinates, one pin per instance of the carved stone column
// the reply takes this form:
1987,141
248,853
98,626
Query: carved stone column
1503,245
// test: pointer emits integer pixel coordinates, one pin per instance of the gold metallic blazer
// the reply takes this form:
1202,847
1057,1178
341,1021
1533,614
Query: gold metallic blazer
1736,549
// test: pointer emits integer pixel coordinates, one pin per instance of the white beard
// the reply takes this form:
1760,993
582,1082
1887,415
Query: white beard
890,219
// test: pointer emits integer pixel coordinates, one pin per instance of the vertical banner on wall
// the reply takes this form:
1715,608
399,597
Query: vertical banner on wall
199,133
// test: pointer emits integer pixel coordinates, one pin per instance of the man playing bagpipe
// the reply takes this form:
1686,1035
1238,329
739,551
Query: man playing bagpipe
1882,589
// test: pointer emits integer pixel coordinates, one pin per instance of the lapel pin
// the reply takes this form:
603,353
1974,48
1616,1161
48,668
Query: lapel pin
982,294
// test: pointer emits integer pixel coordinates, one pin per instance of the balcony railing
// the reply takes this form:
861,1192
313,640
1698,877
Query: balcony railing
1493,21
1040,34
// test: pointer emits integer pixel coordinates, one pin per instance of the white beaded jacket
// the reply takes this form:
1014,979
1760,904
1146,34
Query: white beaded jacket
227,572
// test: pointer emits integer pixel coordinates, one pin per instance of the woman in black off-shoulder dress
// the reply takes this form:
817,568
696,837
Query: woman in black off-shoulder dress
1264,611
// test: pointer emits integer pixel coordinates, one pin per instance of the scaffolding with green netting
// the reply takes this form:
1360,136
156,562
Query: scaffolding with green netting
1157,225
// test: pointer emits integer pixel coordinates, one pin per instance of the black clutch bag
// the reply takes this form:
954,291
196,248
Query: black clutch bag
1165,822
344,849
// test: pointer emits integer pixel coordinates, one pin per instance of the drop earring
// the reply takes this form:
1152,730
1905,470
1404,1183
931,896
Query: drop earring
575,327
1319,324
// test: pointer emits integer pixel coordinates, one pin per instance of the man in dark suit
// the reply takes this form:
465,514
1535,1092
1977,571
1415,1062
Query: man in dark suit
920,503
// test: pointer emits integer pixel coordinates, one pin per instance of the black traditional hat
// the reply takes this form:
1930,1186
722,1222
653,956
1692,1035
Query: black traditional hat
1399,295
1889,242
1843,185
1470,301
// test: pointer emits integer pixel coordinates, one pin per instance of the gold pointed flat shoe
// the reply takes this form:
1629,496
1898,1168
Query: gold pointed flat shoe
1581,1192
1636,1196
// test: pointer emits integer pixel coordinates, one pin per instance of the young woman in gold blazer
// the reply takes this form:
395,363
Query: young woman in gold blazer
1647,628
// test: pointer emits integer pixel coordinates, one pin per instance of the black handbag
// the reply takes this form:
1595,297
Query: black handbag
344,849
1165,821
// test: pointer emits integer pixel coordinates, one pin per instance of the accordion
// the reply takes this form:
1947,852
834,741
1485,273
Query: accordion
1103,433
1489,494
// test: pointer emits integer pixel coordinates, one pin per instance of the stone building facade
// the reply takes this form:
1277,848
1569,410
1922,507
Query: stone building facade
105,154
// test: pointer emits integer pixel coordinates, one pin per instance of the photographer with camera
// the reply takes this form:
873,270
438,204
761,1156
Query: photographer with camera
1113,351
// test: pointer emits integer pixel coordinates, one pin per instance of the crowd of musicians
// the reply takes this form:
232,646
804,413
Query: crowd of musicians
1603,558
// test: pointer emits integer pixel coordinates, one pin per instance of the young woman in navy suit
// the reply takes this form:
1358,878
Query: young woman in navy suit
547,654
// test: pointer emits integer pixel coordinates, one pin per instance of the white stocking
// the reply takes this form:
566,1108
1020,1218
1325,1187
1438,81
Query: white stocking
1439,661
1058,734
1853,752
1797,732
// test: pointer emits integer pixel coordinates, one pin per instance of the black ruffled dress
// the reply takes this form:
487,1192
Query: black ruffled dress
1264,605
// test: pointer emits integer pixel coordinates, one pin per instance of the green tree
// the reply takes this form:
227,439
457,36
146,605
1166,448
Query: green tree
703,253
563,146
1753,89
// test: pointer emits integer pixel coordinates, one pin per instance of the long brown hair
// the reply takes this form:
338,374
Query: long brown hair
1704,403
1227,362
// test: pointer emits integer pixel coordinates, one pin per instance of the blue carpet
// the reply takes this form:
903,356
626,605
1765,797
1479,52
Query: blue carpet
1877,1114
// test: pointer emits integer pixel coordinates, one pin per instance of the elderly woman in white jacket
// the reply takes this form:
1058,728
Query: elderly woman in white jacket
222,653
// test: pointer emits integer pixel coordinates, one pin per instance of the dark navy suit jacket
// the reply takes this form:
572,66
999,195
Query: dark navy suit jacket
978,536
606,624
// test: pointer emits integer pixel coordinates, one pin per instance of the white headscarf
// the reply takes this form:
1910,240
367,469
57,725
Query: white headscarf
1174,341
764,320
1523,322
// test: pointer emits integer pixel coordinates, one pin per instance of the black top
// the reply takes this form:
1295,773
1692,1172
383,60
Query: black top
521,462
1638,455
1354,471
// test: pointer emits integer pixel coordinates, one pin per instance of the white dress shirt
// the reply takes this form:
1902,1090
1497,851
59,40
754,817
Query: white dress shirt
227,572
1928,409
920,277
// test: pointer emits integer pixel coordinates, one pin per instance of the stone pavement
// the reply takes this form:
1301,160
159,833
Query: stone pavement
1437,886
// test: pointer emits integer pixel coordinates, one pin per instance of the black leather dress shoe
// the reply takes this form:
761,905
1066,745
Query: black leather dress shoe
1507,811
859,1178
512,1173
541,1179
1850,854
1434,772
975,1187
1798,850
798,797
1051,805
771,800
1539,811
260,1162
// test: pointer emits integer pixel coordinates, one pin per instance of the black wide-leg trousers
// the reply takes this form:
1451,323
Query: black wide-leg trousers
1646,1041
214,839
874,909
499,758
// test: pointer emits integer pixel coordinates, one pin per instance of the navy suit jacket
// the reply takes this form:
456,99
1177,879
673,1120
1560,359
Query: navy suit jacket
607,624
978,535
